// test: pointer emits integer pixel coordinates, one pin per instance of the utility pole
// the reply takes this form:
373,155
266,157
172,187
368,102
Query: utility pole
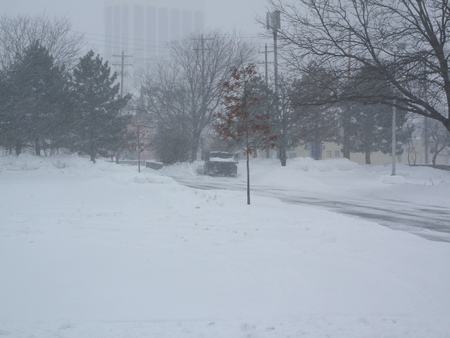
394,136
395,50
425,134
266,74
346,113
273,22
426,137
266,68
122,71
203,104
266,64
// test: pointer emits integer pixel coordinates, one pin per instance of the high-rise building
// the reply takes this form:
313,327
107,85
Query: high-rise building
143,28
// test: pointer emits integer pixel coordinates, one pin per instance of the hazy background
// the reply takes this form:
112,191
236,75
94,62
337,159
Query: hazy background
87,16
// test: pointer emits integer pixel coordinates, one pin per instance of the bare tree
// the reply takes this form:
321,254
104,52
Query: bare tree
439,139
406,42
16,33
187,89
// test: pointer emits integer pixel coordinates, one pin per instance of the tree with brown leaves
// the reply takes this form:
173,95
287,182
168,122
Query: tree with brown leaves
245,120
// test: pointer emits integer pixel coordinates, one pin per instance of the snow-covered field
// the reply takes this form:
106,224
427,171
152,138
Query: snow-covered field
103,251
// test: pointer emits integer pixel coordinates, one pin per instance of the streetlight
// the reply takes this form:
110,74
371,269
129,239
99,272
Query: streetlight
394,134
395,50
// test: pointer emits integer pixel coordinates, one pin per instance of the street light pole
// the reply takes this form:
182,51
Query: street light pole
394,136
394,112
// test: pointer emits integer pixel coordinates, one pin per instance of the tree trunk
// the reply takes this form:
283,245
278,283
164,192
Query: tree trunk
367,153
193,152
37,146
436,153
283,157
346,137
18,147
194,146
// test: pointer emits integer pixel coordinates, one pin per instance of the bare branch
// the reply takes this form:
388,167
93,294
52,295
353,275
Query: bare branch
404,41
16,33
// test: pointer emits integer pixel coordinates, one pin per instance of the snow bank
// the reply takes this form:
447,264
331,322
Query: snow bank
57,164
181,169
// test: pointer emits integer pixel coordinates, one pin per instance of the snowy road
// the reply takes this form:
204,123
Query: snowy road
431,222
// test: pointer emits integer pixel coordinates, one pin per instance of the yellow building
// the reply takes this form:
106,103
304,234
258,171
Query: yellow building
412,154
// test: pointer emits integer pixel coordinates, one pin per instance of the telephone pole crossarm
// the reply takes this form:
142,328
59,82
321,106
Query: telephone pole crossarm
122,71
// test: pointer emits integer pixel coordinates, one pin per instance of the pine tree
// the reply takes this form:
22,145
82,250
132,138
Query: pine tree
370,122
36,92
370,129
315,122
99,126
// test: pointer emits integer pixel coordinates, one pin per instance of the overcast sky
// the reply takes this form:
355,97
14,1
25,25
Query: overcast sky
87,15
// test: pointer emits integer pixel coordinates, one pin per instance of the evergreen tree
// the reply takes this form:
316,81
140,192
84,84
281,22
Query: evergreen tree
171,145
315,121
35,93
99,126
370,122
370,129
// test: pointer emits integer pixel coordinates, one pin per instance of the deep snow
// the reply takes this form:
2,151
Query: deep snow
103,251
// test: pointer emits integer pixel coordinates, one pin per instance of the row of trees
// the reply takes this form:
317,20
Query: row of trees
349,63
48,107
182,100
398,49
366,125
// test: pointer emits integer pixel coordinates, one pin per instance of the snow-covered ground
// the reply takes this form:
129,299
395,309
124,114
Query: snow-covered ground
103,251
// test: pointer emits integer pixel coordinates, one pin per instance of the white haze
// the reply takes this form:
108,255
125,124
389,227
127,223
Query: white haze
87,15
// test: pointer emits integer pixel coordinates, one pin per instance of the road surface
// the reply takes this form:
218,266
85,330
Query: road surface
431,222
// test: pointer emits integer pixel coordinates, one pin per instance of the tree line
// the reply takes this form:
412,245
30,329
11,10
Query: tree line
399,49
48,102
186,99
45,107
345,66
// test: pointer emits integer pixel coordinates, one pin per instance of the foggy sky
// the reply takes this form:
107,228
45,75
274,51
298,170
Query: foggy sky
86,16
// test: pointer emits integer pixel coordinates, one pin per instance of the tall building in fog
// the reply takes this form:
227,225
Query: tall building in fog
143,28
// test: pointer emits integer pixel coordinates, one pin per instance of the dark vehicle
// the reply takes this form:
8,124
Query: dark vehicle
220,163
